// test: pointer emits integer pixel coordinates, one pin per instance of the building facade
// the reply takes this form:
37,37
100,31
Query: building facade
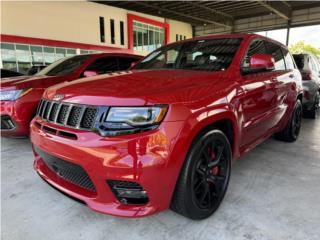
38,33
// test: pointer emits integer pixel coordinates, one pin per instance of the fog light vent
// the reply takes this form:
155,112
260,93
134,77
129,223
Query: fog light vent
128,192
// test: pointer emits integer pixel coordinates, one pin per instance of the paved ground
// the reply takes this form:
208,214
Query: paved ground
274,193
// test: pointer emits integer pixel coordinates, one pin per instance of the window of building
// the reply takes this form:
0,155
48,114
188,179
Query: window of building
184,37
20,57
180,37
112,34
177,37
49,55
102,34
60,53
122,32
147,37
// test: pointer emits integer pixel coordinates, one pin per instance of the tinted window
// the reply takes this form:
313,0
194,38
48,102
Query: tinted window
276,52
288,59
104,65
256,47
201,55
64,66
299,59
125,63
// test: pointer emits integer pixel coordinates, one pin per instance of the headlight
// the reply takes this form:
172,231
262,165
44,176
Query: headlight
13,94
125,120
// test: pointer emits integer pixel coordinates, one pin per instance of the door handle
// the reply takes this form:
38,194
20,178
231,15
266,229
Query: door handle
291,75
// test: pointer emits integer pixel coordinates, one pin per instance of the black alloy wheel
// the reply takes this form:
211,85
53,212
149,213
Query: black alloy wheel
205,176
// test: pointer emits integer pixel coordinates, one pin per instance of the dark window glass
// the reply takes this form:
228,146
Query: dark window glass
102,34
256,47
276,52
299,59
125,62
104,65
113,41
184,37
122,32
177,37
288,59
201,55
180,37
64,66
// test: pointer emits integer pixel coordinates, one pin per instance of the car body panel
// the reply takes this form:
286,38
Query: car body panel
23,109
311,65
256,106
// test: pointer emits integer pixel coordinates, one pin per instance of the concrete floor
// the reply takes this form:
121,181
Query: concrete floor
274,193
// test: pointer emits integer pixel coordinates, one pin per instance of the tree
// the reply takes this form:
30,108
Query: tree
302,47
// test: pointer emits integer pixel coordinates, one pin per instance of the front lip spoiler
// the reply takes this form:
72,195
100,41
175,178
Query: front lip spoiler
64,193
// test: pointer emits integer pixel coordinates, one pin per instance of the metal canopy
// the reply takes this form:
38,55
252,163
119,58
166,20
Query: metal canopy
218,13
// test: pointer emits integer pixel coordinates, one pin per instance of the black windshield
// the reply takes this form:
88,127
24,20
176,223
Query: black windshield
64,66
201,55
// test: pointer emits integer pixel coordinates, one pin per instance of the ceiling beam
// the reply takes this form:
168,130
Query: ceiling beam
188,16
201,5
279,8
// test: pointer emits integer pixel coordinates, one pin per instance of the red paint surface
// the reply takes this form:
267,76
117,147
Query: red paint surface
23,109
256,106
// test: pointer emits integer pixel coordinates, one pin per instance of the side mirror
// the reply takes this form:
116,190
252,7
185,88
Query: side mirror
260,63
90,73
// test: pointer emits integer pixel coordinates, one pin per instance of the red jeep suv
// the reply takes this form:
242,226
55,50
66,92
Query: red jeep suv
20,96
166,133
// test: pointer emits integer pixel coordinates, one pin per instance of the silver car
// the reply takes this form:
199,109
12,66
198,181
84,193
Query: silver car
309,67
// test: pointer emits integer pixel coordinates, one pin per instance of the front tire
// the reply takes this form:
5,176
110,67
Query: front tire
204,177
292,130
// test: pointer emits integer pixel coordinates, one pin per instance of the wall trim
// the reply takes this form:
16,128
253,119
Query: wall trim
132,17
58,43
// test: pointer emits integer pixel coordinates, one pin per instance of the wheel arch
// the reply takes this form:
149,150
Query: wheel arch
225,121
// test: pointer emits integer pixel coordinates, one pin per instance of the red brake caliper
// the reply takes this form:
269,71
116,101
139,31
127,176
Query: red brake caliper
214,170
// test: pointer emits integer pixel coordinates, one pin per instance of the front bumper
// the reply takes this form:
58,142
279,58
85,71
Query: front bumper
150,159
11,115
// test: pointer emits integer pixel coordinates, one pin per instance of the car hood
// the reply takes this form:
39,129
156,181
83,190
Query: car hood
22,82
139,87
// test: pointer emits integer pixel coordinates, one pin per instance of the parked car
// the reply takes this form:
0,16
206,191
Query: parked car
5,73
165,134
20,96
310,70
35,69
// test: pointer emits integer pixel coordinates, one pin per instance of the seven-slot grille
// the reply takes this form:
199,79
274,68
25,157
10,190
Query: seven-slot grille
68,114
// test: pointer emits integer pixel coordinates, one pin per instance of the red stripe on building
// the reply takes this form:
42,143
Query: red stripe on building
57,43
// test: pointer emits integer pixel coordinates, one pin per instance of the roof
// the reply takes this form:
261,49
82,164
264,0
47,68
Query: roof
221,13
